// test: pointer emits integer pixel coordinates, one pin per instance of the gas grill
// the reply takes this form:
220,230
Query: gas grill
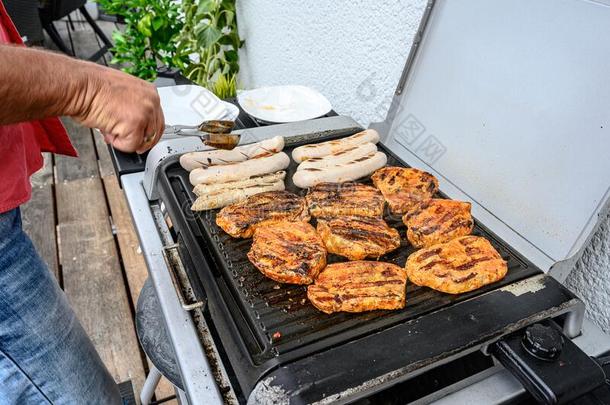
239,337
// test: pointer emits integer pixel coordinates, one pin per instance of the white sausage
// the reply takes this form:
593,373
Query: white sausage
339,158
318,150
193,160
208,202
350,171
210,189
240,171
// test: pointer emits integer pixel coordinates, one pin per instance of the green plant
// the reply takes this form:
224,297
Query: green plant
207,49
151,30
225,87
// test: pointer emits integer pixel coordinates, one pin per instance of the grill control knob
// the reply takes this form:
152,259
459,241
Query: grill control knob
542,342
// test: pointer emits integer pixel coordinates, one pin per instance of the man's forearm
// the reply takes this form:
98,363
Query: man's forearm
37,84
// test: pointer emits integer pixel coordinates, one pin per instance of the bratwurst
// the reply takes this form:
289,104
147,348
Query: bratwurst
350,171
240,171
194,160
318,150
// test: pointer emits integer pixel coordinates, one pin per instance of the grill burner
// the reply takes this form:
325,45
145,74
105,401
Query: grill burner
275,323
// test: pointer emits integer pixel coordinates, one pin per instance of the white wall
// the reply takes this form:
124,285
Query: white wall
590,279
331,45
353,52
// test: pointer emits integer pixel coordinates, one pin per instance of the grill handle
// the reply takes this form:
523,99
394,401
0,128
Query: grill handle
172,258
548,364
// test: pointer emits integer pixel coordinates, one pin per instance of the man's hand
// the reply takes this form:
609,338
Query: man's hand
36,84
125,109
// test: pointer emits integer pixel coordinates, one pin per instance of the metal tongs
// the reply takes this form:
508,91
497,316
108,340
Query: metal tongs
214,133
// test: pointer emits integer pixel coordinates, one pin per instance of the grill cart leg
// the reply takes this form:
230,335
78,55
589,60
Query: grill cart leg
148,390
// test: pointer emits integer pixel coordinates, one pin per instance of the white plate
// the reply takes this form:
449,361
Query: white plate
284,103
191,105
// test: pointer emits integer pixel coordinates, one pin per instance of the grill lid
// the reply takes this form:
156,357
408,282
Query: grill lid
507,103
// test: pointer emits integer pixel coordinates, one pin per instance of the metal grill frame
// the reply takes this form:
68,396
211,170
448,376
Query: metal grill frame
244,322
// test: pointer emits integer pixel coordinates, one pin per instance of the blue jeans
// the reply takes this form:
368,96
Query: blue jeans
45,354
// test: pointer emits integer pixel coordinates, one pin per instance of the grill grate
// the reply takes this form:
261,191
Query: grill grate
261,307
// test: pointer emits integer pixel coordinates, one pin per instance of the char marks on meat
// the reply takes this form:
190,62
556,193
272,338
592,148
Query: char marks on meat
460,265
404,188
345,199
240,220
358,237
359,286
438,221
288,252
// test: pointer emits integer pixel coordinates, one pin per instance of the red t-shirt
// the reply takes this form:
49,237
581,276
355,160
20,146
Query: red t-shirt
21,144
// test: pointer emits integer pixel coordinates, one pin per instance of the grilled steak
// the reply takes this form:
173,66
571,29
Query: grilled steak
241,219
358,237
359,286
404,188
288,252
438,221
335,199
461,265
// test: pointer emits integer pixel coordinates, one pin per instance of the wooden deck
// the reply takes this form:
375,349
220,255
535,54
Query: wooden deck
79,221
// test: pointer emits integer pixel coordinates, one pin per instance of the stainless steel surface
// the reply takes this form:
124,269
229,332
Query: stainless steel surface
502,387
204,136
150,385
210,126
172,259
510,113
195,370
162,150
572,326
169,147
215,133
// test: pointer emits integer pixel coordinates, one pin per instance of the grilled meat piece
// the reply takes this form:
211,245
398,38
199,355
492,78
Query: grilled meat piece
359,286
288,252
358,237
341,199
438,221
404,188
461,265
241,219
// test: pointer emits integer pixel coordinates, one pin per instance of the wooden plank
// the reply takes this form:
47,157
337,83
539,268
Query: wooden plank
38,216
84,39
44,176
69,168
109,27
88,202
72,212
165,389
133,260
129,245
103,155
93,279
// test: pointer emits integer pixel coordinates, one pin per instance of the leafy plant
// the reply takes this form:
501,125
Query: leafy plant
151,31
207,49
225,86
